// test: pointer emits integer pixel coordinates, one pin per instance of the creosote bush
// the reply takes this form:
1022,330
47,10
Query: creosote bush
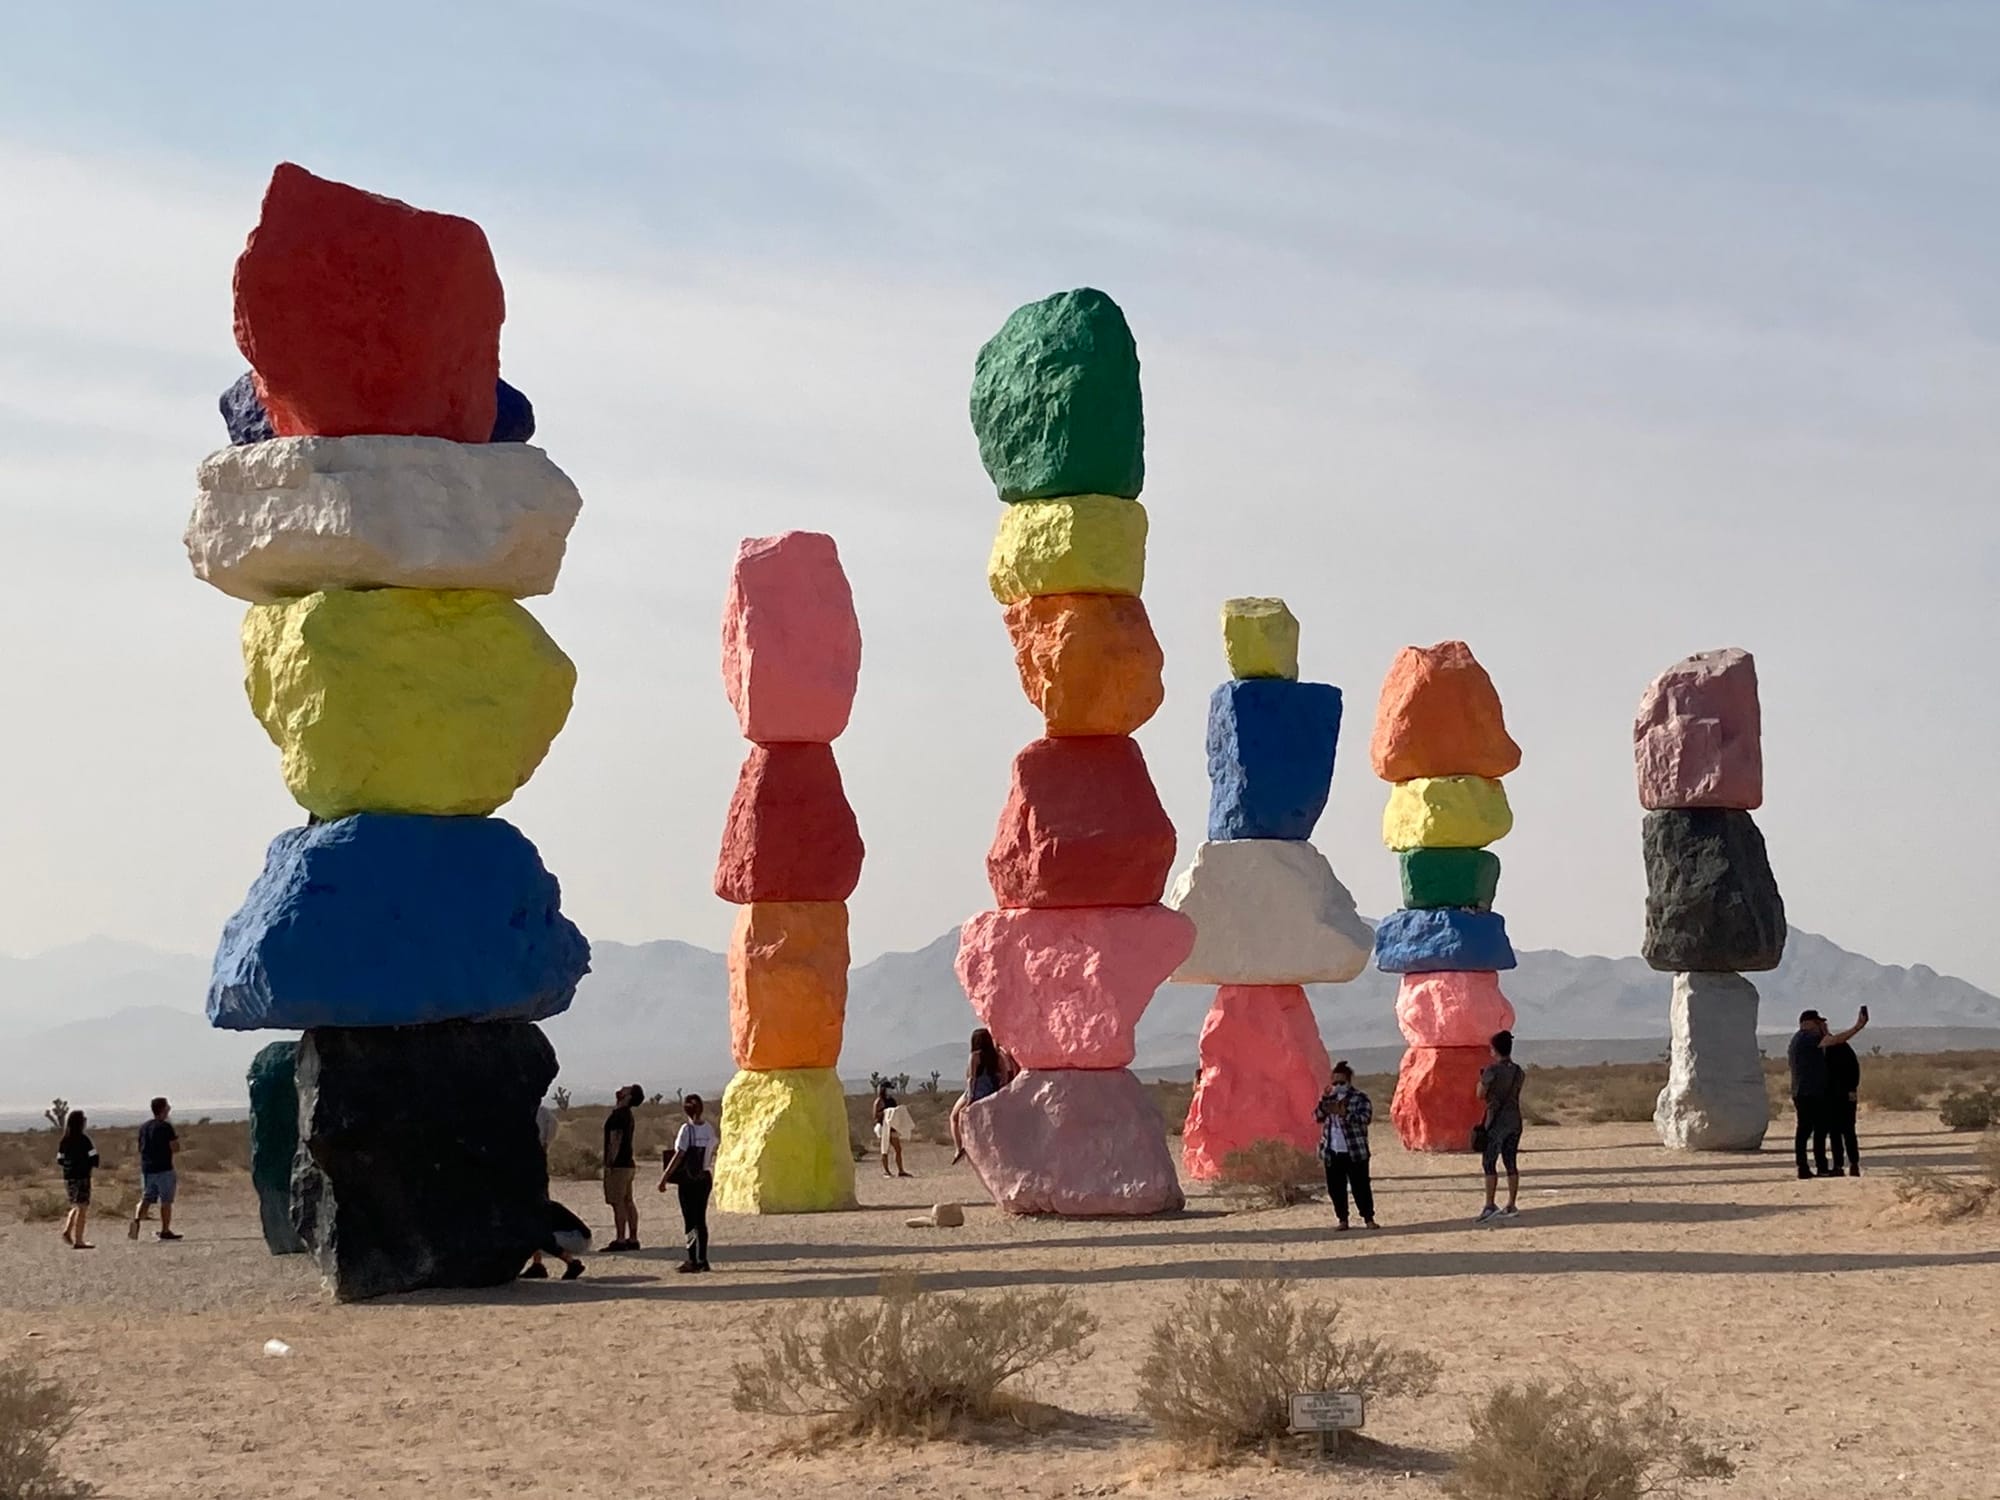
36,1414
1270,1174
1970,1108
43,1207
1947,1196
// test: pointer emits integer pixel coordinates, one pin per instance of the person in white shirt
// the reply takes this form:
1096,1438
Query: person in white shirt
690,1167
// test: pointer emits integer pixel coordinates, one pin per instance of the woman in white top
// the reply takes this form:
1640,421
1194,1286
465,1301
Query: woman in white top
690,1167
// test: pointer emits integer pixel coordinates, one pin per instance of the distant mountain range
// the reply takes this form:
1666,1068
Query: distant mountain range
657,1014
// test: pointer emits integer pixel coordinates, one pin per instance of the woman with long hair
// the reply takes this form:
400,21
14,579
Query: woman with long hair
77,1158
989,1068
690,1167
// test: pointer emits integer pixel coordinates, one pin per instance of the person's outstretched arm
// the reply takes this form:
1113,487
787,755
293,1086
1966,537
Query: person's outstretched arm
1834,1038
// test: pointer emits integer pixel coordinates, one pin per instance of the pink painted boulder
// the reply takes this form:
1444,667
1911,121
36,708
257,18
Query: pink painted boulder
1086,1143
1065,987
1263,1068
791,646
1451,1008
1698,738
1437,1097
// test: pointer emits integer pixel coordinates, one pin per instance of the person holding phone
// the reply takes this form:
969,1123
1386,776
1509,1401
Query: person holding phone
1812,1088
690,1167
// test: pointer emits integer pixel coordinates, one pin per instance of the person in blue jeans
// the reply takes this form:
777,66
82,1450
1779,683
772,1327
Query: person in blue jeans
158,1182
1344,1114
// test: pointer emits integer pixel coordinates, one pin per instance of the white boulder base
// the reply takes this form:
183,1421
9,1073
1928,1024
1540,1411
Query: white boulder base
1715,1098
296,515
1268,911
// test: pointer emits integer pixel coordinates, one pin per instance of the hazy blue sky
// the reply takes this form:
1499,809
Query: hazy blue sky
1593,335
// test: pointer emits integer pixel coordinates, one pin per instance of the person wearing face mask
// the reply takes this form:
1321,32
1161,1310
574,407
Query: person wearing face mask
1344,1114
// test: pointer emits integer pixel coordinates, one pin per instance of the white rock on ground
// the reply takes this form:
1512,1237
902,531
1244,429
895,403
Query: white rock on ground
1715,1098
1268,911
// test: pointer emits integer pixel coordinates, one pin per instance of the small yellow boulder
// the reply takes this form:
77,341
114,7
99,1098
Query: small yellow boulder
1260,637
785,1147
1081,544
1446,812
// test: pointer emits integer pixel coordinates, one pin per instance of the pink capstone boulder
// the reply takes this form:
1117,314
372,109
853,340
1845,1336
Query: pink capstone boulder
791,645
1452,1008
1086,1143
1263,1068
1698,737
1065,987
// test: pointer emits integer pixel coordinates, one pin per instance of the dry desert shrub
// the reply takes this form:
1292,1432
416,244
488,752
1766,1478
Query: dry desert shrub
1970,1107
43,1207
913,1364
1224,1361
1627,1100
1947,1197
1270,1174
36,1414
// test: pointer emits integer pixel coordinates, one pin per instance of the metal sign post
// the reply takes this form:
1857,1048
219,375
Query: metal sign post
1328,1413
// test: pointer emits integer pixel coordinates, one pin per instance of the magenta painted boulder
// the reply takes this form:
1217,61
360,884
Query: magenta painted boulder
1263,1068
1087,1143
1698,738
1065,987
1452,1008
791,646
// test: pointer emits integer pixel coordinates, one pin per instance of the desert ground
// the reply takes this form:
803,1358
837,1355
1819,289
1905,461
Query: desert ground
1828,1338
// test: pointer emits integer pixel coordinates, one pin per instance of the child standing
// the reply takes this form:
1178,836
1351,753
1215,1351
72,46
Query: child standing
78,1159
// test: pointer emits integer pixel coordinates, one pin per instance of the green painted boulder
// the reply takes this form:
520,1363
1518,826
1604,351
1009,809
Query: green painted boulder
1450,877
274,1141
1055,401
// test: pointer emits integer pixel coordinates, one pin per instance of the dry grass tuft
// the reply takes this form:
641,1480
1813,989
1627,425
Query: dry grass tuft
1270,1174
43,1207
1947,1197
36,1414
1629,1101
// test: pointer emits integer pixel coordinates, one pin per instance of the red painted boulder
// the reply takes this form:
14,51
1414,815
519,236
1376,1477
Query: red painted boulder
791,646
790,835
1452,1008
1064,988
1440,716
360,314
1698,738
1437,1097
1083,826
1081,1143
1263,1068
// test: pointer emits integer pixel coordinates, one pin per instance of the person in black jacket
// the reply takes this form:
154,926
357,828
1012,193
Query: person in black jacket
77,1157
1843,1094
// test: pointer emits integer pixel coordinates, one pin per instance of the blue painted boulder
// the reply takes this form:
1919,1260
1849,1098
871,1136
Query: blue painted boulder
1451,937
1270,757
513,415
389,920
244,415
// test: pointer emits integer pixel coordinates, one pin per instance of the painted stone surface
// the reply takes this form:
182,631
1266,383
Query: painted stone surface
361,314
1446,812
1449,937
380,920
1449,877
1086,544
1065,988
1698,736
1712,902
296,516
1437,1097
1089,662
1452,1009
1440,716
1076,1142
513,415
1055,401
1715,1099
1260,638
1268,912
788,984
1270,757
244,416
274,1141
1083,826
791,645
1262,1069
784,1144
790,833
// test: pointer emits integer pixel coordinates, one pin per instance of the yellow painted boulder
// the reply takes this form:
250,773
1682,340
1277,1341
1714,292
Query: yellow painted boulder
437,701
784,1145
1082,544
1260,637
1446,812
788,984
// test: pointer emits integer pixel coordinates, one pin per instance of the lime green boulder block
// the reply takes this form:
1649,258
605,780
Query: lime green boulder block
1083,544
785,1146
1260,637
1055,401
432,701
1446,812
1450,877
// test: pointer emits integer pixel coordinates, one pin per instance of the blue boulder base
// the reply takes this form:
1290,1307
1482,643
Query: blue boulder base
386,919
1450,937
244,415
1270,757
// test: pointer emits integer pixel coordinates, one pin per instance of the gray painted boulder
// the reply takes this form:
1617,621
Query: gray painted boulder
1712,902
1715,1098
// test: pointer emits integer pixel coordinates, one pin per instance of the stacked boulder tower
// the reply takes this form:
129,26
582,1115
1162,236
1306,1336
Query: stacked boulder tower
791,856
382,513
1441,740
1713,911
1062,971
1270,915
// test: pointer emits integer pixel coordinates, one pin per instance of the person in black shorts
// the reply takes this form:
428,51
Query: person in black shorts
1500,1086
77,1158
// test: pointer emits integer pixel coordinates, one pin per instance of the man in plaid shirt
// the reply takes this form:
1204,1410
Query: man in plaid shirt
1344,1113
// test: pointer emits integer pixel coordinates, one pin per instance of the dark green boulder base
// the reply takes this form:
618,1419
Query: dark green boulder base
1712,904
1450,877
274,1141
1055,401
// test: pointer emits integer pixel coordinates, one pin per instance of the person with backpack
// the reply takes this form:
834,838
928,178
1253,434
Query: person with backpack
77,1158
1498,1137
690,1167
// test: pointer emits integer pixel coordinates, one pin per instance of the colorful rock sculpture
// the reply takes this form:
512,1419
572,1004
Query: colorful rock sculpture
1062,971
274,1142
1263,1067
791,856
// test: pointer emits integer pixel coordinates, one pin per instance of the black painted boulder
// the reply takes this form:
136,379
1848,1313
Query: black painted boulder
1712,903
274,1141
244,415
424,1137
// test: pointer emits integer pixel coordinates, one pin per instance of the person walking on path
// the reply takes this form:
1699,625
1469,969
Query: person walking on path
690,1167
77,1158
619,1168
890,1124
1344,1114
1812,1090
159,1143
1499,1137
1843,1101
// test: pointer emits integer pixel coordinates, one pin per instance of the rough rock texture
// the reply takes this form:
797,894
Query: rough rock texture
299,515
1449,877
1078,1143
1698,738
274,1141
1446,812
1448,937
1083,826
1439,716
1055,400
1715,1099
788,984
1452,1009
1065,988
378,920
1270,757
784,1145
1437,1097
791,645
513,415
1711,900
1263,1068
1268,911
790,834
1260,638
243,411
1086,544
405,700
429,1168
363,314
1089,662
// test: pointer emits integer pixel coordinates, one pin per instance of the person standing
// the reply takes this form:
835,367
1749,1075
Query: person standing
159,1143
890,1120
1811,1087
77,1158
1344,1114
690,1167
1843,1102
1500,1085
619,1167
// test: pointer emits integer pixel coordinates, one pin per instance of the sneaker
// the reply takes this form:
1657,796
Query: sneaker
1341,1227
573,1270
620,1245
1488,1212
166,1235
1510,1212
705,1267
1805,1175
535,1273
1855,1170
687,1268
1370,1224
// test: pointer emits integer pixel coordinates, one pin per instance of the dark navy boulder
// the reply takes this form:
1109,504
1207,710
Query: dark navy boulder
386,919
1270,757
513,415
274,1143
1451,937
244,415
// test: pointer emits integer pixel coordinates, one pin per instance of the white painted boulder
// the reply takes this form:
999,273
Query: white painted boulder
1268,911
1715,1098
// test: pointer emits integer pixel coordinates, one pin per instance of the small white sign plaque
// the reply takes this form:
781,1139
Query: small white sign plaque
1328,1411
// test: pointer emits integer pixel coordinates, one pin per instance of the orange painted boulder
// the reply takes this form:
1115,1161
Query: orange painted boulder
1089,662
1439,716
791,645
1083,826
790,835
1452,1008
1263,1068
788,984
1437,1097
